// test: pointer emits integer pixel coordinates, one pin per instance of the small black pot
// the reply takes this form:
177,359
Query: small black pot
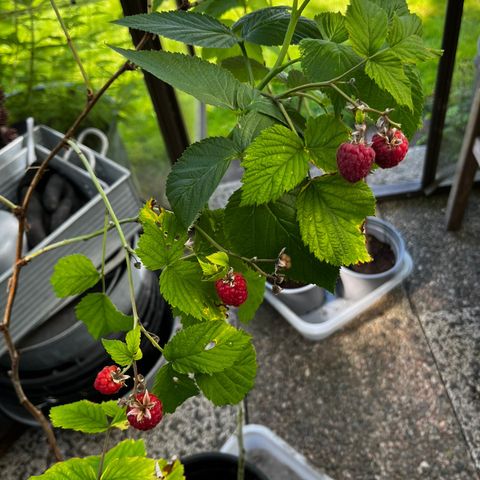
218,466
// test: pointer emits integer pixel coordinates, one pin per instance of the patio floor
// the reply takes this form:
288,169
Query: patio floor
395,395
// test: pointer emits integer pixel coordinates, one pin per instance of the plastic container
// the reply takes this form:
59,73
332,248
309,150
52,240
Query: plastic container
259,437
303,299
356,285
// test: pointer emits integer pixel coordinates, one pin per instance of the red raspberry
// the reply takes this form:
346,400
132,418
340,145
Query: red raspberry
390,149
110,380
232,289
145,412
354,161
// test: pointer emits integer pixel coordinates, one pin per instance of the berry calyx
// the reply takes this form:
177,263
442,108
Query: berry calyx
390,148
110,380
355,160
145,411
232,289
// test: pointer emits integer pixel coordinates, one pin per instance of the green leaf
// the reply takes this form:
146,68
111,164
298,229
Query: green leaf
73,469
187,27
275,226
331,212
367,26
181,285
169,470
274,163
249,126
323,60
268,26
231,385
117,415
207,82
296,78
163,239
120,352
332,26
126,448
133,343
73,275
101,316
387,72
210,271
83,416
392,7
217,8
197,174
206,348
129,468
173,388
211,222
219,258
323,136
239,68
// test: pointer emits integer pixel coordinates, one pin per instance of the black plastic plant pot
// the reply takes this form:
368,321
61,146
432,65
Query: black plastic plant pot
218,466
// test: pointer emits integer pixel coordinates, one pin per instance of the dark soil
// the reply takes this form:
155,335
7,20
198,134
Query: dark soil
382,254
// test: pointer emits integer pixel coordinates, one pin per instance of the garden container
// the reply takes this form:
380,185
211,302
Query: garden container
303,299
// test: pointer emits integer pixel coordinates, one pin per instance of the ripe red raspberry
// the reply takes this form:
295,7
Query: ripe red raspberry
232,289
354,161
145,412
390,149
110,380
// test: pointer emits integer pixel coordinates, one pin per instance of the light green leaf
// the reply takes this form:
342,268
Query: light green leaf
197,174
217,8
274,163
133,343
332,26
173,388
210,271
330,211
367,26
83,416
403,27
129,468
231,385
101,316
117,415
126,448
268,26
387,72
323,60
163,239
392,7
323,136
187,27
171,471
72,469
275,226
119,351
219,258
73,275
207,82
181,285
249,126
206,348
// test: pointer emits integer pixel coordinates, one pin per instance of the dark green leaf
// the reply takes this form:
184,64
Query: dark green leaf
197,174
173,388
73,275
331,212
216,8
238,67
188,27
332,26
100,315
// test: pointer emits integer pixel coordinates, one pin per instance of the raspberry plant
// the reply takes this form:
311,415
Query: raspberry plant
348,73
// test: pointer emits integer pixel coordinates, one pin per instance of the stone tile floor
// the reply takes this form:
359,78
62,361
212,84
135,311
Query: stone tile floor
395,395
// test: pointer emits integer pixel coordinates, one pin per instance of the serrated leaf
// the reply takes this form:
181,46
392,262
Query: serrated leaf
117,415
197,174
207,82
206,348
387,72
73,274
126,448
295,78
367,26
119,351
332,26
231,385
392,7
249,126
274,163
132,340
173,388
83,416
182,287
187,320
219,258
129,468
323,136
101,316
330,212
163,239
323,60
73,469
275,226
169,470
268,26
188,27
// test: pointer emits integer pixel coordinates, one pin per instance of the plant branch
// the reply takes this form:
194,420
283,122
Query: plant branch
274,72
10,205
104,451
286,115
73,49
248,63
104,250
